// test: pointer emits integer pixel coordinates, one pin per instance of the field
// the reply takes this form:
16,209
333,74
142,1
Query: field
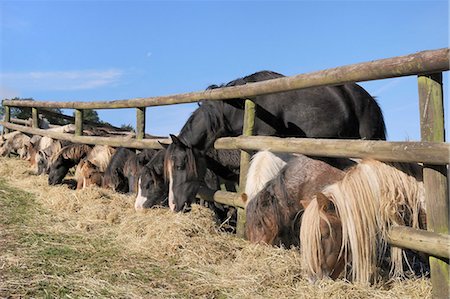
60,243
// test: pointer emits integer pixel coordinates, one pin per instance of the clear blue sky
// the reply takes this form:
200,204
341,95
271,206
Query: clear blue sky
110,50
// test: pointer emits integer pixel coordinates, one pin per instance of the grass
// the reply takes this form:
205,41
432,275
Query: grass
61,243
39,262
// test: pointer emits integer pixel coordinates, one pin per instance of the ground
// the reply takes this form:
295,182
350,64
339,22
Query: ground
60,243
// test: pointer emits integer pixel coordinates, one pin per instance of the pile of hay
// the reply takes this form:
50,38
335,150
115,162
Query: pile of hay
213,263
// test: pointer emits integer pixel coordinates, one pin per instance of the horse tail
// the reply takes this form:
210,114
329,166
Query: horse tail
264,166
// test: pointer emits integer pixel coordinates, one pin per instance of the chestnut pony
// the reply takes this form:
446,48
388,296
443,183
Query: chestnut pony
345,226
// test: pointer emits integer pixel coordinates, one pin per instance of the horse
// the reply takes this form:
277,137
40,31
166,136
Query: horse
99,156
14,142
345,111
134,165
152,187
66,158
44,158
346,224
273,212
36,144
89,174
264,166
114,178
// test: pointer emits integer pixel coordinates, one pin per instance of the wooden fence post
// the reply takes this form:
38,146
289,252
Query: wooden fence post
7,118
247,130
78,122
35,118
140,122
435,176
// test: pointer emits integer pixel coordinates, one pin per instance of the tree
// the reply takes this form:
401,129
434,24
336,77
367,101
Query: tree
90,115
127,127
25,112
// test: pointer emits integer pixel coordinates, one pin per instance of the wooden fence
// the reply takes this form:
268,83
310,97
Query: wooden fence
432,151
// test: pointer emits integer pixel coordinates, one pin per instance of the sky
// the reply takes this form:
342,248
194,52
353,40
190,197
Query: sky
113,50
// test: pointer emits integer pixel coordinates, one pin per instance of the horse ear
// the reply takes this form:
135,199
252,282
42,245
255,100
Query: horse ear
177,141
324,203
164,145
305,203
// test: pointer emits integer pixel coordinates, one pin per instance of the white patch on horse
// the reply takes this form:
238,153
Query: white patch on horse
264,166
140,200
171,195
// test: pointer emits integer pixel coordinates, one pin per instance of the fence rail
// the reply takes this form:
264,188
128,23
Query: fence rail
420,63
432,150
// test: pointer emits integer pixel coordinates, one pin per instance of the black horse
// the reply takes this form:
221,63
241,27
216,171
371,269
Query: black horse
345,111
66,158
153,188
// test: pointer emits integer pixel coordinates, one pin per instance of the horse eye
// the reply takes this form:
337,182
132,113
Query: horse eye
180,167
325,236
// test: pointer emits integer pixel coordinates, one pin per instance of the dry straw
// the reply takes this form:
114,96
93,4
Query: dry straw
212,263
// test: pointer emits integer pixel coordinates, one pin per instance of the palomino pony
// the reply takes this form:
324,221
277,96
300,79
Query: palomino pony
346,224
273,212
88,174
345,111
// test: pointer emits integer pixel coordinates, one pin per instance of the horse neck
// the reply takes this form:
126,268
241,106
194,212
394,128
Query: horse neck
204,126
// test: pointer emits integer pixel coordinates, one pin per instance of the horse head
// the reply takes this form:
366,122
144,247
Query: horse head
184,169
321,238
263,223
152,187
58,170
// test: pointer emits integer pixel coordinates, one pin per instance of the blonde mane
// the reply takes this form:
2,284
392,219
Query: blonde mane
264,166
100,156
372,197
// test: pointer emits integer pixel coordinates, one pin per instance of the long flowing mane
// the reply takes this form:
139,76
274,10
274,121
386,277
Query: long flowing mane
373,197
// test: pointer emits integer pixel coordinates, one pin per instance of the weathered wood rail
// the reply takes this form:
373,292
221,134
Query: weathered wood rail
432,150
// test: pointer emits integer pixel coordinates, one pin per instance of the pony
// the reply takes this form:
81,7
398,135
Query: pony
152,187
264,166
36,144
66,158
345,226
99,157
134,165
44,158
272,214
89,174
114,178
345,111
14,142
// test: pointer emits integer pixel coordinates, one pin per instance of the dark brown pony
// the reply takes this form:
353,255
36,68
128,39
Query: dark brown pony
273,214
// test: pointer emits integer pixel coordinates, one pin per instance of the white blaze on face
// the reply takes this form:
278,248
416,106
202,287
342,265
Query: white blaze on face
139,203
171,196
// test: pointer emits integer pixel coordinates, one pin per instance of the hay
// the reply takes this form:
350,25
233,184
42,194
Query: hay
212,263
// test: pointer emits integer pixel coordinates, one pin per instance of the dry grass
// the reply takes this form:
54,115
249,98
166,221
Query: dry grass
91,243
